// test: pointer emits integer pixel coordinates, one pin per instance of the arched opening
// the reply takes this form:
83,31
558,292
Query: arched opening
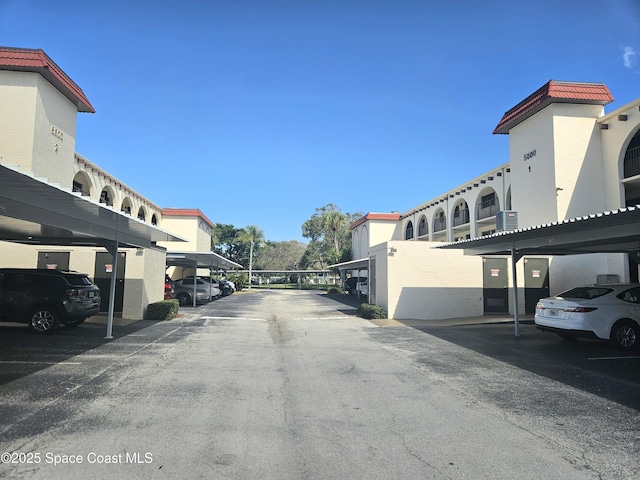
126,206
408,231
488,204
106,196
461,213
439,221
423,226
154,219
82,184
142,215
632,157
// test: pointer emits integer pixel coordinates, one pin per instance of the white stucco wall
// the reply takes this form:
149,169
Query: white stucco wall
426,283
194,229
37,127
615,140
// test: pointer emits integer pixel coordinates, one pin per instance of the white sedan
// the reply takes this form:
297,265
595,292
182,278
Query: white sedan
607,311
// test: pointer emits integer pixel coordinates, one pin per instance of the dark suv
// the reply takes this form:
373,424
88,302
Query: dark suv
46,298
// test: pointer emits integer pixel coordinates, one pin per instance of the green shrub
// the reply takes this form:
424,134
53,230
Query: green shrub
371,312
334,289
164,310
239,280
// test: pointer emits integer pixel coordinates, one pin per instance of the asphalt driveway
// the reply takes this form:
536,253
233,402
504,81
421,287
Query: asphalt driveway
290,385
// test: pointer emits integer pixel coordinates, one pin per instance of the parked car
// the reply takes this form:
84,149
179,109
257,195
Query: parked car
45,298
226,287
363,287
205,283
351,283
607,311
184,293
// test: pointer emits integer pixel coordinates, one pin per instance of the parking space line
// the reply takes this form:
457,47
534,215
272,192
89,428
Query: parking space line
612,358
41,363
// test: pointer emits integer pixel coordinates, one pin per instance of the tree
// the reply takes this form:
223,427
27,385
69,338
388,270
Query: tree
223,242
252,236
329,234
280,255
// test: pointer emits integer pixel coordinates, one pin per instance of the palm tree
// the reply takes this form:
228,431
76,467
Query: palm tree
334,220
251,235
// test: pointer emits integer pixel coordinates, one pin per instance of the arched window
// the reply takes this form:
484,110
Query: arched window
423,227
154,219
408,231
141,215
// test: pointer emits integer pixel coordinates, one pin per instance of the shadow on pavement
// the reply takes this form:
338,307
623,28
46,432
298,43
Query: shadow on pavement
589,365
23,352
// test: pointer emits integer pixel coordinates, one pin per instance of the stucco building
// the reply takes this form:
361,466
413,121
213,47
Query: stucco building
567,158
39,104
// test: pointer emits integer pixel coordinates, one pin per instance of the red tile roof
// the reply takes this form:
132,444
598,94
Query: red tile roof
375,216
554,92
32,60
186,212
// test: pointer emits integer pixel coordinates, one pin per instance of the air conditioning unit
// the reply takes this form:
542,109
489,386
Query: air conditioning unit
506,221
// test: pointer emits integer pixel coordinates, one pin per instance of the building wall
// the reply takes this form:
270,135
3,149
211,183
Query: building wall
194,229
37,133
615,140
420,282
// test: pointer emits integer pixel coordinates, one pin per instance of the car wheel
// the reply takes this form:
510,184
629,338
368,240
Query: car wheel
625,334
184,299
567,336
44,320
74,323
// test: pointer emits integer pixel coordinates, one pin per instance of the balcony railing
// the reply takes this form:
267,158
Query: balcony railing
632,162
439,224
487,211
461,218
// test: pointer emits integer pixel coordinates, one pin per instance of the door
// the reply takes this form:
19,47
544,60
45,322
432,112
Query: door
536,282
53,260
102,278
495,285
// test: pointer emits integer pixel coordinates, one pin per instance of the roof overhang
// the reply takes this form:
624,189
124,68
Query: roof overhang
35,212
199,260
360,264
607,232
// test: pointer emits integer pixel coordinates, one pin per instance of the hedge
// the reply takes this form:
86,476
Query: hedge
164,310
333,289
371,312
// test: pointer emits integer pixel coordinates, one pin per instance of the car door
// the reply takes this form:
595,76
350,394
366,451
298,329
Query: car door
631,302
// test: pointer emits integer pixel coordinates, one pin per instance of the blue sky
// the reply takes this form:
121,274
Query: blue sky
258,112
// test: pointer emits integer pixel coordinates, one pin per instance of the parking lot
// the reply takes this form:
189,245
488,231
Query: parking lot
296,386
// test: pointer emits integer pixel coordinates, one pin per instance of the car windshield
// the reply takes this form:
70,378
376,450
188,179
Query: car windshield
586,292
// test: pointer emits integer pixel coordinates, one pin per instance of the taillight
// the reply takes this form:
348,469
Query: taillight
76,292
580,309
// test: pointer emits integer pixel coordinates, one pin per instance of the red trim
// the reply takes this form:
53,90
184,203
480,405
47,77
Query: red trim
554,92
375,216
186,212
36,61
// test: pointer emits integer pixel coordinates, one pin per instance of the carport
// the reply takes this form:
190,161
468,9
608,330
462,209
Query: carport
362,264
608,232
34,212
195,260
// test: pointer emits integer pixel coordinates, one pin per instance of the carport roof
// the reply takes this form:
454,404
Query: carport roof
362,263
199,260
616,231
33,211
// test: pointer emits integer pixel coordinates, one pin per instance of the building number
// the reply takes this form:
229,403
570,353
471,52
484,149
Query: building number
57,133
530,155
